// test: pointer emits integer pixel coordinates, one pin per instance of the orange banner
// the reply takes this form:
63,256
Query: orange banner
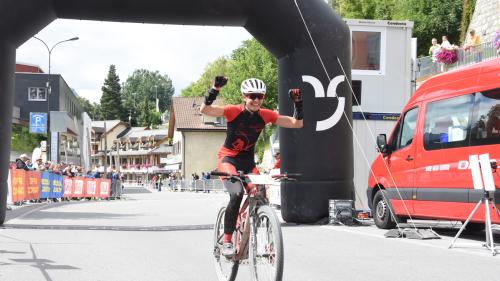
18,181
33,185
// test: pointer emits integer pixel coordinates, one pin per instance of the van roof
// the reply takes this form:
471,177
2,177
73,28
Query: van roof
466,79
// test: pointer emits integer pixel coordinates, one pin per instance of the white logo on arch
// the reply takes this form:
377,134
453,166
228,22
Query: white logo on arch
331,92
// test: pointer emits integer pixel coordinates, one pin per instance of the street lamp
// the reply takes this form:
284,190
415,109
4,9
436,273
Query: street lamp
49,90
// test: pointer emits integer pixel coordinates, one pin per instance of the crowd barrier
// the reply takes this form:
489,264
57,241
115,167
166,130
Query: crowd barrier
33,185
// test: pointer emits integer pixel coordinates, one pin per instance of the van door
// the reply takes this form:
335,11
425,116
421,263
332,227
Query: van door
401,163
443,179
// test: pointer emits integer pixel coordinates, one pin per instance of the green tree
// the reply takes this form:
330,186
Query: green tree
467,12
23,141
148,116
144,85
252,60
221,66
111,101
92,109
432,19
249,60
364,9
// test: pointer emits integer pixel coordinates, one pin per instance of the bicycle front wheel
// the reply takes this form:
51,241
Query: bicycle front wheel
266,248
226,269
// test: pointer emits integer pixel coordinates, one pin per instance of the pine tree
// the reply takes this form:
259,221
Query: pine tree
111,100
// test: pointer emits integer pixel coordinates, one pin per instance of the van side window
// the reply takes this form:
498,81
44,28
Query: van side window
408,127
405,130
486,118
447,122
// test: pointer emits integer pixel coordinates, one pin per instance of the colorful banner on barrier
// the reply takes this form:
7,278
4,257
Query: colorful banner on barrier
68,187
79,183
56,186
104,188
18,182
33,185
45,185
90,188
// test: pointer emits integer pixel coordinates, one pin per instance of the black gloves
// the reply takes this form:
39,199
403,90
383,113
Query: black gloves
296,97
219,82
212,95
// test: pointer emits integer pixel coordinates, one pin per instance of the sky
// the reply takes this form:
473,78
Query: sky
181,52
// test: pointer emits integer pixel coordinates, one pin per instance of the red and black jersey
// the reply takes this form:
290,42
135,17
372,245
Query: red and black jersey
243,130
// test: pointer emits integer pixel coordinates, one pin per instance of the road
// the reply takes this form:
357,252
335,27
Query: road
167,236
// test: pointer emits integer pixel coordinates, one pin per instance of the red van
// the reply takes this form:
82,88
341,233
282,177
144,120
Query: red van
423,170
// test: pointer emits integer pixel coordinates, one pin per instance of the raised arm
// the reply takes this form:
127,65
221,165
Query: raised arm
298,115
214,110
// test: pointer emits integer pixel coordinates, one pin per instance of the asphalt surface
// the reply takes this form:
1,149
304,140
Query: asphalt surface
167,236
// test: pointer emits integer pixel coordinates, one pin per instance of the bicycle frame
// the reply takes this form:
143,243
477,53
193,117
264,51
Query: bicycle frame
246,212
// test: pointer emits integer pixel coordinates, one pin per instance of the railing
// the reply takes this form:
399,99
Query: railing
426,67
182,185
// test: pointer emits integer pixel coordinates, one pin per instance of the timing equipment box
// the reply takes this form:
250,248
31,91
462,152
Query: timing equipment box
341,212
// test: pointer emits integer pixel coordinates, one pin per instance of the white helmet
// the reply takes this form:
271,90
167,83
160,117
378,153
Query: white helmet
253,86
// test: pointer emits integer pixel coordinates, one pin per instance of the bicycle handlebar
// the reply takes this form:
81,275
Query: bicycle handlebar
284,176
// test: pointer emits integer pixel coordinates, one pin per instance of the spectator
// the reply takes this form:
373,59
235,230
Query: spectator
445,44
39,164
433,51
30,165
160,182
21,162
474,45
277,158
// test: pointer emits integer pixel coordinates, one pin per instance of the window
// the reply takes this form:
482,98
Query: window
486,118
176,148
408,127
37,94
220,121
368,51
447,122
405,130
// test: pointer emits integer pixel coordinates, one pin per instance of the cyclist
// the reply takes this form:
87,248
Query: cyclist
244,124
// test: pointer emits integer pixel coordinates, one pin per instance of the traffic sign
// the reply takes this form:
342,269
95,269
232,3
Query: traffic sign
38,122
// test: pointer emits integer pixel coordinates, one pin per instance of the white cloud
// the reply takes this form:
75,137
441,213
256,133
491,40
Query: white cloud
181,52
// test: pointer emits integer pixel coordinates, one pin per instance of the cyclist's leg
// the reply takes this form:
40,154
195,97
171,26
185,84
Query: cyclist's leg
235,191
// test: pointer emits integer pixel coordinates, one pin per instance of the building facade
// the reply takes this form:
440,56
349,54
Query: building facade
32,95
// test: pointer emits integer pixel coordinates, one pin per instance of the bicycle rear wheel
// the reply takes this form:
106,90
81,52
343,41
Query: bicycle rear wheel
226,269
266,248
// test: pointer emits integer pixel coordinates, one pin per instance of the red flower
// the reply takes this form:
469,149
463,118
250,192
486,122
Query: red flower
447,56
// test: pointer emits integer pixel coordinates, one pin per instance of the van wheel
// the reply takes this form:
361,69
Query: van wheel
381,212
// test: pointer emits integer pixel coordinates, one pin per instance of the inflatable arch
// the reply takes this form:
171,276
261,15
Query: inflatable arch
306,37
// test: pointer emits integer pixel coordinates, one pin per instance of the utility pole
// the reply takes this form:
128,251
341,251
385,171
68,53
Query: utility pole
105,152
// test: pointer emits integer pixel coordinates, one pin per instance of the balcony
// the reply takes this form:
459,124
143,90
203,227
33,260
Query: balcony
426,68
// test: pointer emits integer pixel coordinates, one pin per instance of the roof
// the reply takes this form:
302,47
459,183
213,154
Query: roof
109,124
140,132
187,114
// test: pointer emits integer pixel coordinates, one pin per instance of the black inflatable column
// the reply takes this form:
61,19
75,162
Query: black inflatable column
7,70
322,149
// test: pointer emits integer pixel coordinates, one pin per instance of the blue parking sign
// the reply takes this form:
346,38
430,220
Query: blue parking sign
38,122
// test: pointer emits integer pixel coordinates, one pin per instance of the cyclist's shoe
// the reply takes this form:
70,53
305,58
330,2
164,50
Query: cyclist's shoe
227,250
